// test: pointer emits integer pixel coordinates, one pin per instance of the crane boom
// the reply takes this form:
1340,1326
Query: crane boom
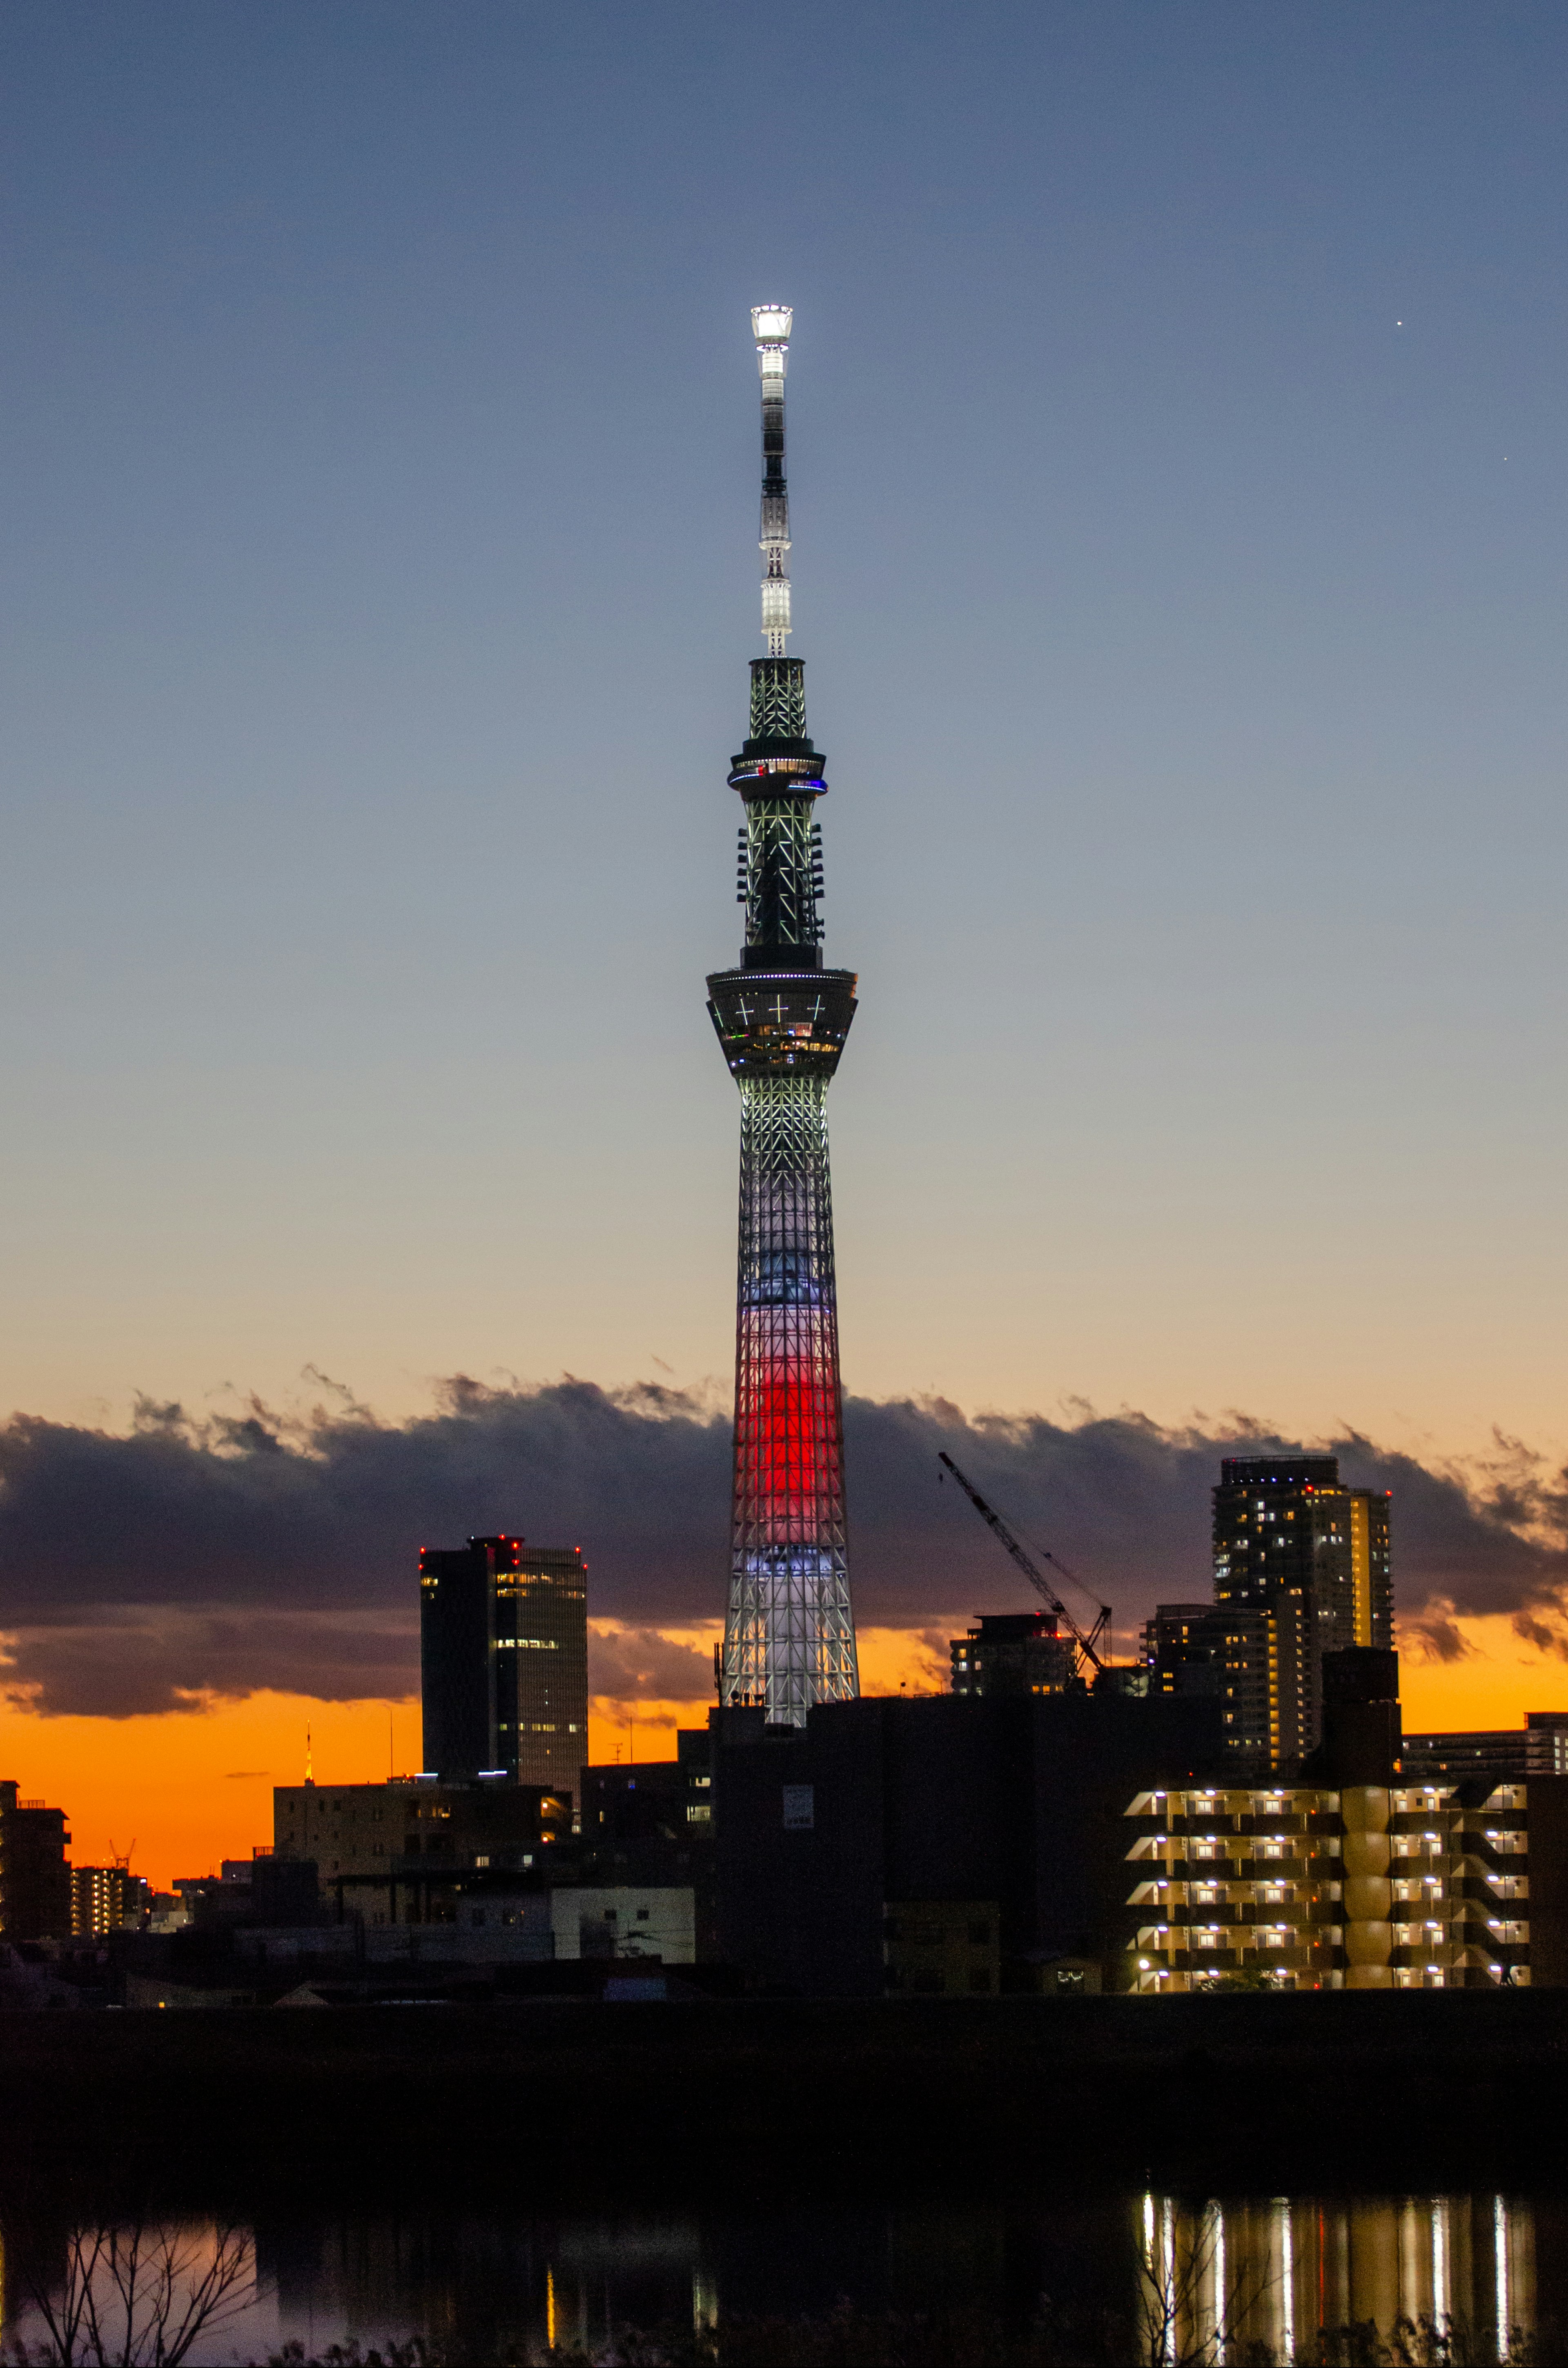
994,1520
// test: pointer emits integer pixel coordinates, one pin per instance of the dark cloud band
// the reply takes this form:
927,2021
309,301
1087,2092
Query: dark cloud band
190,1558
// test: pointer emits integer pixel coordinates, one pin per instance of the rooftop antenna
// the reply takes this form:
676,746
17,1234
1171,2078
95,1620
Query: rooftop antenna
770,327
309,1778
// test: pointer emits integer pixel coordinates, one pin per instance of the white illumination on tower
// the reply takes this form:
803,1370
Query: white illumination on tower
770,327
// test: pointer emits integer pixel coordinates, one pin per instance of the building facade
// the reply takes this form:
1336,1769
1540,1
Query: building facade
1302,1568
107,1899
1507,1755
397,1854
625,1921
495,1921
504,1662
1399,1887
653,1801
1012,1653
35,1880
782,1020
856,1855
1184,1650
651,1822
943,1948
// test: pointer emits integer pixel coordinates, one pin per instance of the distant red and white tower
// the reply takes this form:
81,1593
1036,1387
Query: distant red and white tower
782,1019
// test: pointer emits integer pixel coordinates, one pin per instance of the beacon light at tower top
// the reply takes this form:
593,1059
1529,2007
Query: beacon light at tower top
770,323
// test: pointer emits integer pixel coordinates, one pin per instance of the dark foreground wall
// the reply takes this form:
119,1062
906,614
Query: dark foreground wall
230,2106
1015,1801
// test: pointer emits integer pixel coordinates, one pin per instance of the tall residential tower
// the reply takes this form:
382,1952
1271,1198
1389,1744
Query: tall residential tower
1302,1568
782,1020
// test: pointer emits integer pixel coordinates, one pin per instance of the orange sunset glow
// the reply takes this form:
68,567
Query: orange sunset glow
189,1790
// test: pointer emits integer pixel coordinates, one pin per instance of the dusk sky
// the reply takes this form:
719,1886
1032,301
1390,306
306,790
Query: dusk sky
1176,435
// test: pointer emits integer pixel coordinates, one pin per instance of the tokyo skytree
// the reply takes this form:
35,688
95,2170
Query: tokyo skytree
782,1019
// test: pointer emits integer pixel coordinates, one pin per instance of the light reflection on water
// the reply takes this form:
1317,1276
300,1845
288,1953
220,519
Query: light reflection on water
1274,2271
1227,2273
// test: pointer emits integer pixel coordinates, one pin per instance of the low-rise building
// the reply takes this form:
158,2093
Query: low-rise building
626,1920
1507,1755
651,1823
943,1948
395,1852
1230,1884
504,1920
653,1799
262,1890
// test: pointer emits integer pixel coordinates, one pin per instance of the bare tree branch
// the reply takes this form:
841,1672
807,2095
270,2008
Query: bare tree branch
140,2295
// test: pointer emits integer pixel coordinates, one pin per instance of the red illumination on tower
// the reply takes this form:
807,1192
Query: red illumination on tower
782,1019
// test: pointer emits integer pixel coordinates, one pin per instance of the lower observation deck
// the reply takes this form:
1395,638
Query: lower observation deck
782,1023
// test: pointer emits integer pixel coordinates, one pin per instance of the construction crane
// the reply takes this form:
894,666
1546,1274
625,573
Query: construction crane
994,1520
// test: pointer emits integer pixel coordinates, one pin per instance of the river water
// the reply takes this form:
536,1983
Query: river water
1267,2272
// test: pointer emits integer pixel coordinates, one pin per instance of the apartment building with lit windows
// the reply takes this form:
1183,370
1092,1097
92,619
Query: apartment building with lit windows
1405,1886
107,1899
1302,1568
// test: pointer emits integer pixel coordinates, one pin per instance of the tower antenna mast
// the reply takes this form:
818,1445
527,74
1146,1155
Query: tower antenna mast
770,326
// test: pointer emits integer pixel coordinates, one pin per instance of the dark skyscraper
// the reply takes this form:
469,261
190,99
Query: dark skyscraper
1301,1569
504,1662
782,1019
35,1880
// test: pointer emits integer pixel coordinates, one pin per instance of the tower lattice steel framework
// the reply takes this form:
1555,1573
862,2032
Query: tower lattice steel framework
782,1019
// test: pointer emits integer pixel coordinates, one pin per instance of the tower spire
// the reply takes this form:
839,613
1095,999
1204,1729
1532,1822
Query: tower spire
782,1020
770,326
